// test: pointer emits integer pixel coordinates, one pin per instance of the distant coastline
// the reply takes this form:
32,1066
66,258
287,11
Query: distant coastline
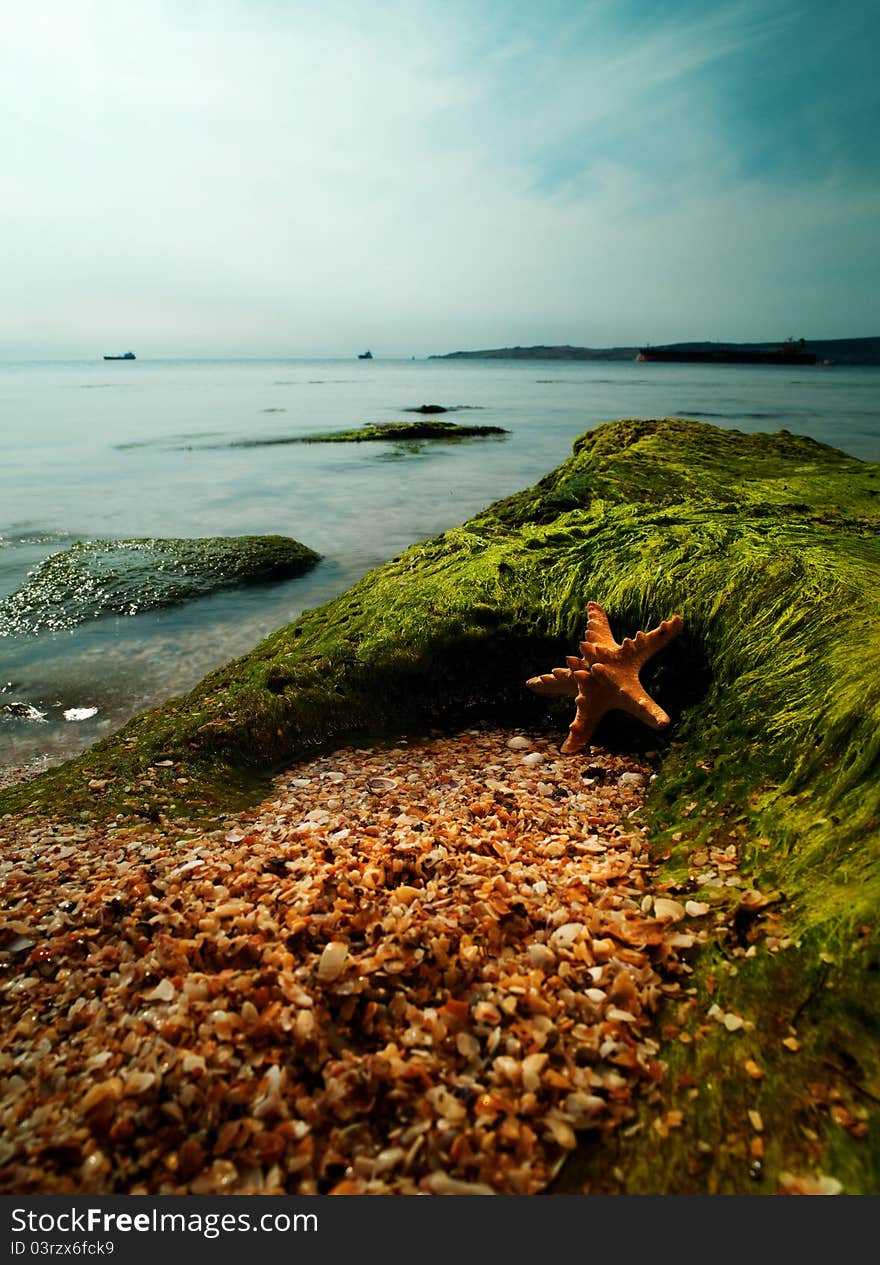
838,351
544,353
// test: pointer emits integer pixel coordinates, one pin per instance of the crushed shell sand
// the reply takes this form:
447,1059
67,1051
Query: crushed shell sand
418,970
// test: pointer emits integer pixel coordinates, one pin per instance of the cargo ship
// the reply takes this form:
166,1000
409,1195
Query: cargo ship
790,353
128,355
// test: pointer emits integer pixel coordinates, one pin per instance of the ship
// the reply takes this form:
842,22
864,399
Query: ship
791,352
365,355
128,355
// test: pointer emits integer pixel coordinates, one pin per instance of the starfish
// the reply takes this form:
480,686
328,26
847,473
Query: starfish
606,677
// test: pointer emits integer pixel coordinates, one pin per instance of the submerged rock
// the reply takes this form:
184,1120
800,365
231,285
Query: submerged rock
404,430
122,577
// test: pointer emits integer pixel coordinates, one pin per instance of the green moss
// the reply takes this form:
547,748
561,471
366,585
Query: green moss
767,545
396,431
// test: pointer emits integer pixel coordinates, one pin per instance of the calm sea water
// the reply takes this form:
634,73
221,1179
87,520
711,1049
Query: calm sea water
165,448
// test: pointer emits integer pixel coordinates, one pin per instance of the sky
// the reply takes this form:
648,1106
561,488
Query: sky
282,177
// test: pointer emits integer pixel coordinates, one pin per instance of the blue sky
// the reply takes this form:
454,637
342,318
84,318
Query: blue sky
283,177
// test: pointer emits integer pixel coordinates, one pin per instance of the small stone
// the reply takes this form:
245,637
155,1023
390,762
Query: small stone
696,908
164,991
109,1091
568,934
667,909
541,957
332,961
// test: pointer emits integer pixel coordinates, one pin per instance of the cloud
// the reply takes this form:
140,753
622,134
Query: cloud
296,178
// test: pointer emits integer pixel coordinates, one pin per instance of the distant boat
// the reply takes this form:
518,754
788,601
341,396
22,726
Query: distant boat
790,353
365,355
129,355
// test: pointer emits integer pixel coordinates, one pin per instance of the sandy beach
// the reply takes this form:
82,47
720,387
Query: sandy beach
425,969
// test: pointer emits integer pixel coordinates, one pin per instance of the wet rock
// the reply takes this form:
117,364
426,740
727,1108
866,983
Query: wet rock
122,577
22,711
378,431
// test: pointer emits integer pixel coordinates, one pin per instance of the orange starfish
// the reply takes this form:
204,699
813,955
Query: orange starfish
606,677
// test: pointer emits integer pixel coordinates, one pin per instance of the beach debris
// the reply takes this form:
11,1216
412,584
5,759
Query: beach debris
606,676
433,990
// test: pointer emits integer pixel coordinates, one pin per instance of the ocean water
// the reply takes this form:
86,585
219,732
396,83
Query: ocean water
96,450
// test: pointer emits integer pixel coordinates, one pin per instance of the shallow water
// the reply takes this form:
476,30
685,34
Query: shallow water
96,450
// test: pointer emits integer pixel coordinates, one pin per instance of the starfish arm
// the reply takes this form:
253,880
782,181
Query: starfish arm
592,652
559,681
589,710
626,693
646,710
645,645
598,635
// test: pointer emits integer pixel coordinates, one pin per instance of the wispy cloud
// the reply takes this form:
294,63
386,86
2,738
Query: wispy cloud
297,177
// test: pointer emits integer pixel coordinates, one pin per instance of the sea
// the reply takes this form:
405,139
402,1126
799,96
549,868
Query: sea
97,450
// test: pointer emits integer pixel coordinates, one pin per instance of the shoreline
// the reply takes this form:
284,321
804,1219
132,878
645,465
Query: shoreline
768,766
15,774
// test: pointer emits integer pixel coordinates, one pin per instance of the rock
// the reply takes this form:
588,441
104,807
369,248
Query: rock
122,577
631,779
384,431
22,711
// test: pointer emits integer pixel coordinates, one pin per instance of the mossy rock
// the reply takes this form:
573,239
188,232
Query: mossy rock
122,577
767,545
373,432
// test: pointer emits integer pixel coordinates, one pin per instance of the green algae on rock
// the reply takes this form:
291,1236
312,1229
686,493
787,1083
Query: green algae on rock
121,577
377,431
768,547
756,539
